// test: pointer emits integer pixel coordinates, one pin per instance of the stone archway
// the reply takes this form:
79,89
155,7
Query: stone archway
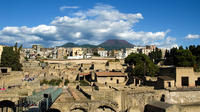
7,104
105,108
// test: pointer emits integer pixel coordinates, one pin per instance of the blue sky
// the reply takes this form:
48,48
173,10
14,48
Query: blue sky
165,23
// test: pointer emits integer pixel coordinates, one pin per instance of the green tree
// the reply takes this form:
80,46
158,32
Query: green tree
66,82
143,65
96,54
196,52
184,58
181,57
156,55
197,66
11,58
180,47
170,56
189,57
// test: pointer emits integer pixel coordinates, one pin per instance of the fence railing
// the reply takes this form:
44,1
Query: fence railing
40,101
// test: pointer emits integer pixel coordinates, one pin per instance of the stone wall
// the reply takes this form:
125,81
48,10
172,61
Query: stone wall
115,66
182,97
99,66
108,80
78,61
15,78
57,66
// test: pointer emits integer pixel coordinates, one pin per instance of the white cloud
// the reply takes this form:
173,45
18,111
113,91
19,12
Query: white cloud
76,34
68,7
92,26
169,42
190,36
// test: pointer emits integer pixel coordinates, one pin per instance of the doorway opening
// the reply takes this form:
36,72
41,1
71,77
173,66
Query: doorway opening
185,81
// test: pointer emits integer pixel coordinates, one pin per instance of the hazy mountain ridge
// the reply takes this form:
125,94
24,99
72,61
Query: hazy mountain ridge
115,44
108,44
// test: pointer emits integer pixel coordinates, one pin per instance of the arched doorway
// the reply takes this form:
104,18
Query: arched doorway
6,105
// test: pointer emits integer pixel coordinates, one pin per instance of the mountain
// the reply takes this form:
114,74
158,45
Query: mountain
109,44
88,46
76,45
70,45
115,44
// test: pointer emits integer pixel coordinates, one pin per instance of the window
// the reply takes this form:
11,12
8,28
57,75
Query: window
117,81
111,78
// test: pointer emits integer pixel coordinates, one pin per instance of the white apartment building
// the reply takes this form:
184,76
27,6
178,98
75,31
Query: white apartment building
140,49
103,53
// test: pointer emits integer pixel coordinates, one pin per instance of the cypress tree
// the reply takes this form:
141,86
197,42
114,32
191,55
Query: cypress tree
11,58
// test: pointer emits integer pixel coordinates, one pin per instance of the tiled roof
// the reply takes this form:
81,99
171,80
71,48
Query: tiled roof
110,74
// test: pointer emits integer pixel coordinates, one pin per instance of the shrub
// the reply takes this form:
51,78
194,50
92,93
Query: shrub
55,82
84,83
44,81
66,82
52,82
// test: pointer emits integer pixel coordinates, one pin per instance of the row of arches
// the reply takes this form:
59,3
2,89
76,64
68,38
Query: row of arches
11,105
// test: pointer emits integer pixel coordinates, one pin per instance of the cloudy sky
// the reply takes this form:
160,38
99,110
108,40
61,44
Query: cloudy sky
165,23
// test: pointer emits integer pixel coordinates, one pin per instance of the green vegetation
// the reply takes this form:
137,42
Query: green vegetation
65,57
156,56
84,83
66,82
11,58
113,60
55,82
44,81
184,58
196,52
96,54
26,58
52,82
143,65
180,57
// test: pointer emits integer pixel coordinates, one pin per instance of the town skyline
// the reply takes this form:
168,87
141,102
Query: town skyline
60,22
